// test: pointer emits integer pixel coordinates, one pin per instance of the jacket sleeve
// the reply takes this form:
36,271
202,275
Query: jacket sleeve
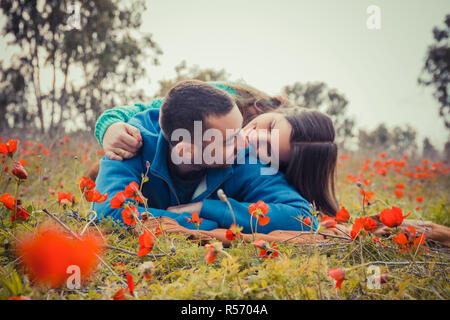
114,176
286,206
120,114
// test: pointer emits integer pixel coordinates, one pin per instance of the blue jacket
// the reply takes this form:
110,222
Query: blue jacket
242,183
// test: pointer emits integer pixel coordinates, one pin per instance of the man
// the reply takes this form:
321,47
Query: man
182,180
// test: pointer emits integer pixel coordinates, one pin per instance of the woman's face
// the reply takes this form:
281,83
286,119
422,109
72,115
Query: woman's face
260,129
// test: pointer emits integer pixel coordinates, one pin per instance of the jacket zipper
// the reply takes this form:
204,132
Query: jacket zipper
178,200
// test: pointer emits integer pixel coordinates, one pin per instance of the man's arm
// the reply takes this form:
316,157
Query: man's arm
248,186
114,176
120,114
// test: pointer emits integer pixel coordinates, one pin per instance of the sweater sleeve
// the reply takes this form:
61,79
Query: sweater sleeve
120,114
286,206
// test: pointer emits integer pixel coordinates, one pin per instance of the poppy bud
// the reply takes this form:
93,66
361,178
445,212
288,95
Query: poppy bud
19,171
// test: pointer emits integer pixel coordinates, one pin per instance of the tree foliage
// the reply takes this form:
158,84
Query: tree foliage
319,96
63,75
437,69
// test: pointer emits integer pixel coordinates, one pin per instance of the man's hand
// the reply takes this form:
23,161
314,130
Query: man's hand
189,207
121,141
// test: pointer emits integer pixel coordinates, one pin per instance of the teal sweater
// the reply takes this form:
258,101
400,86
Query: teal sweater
123,114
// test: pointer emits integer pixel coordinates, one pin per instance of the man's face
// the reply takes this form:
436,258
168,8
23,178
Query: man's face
224,140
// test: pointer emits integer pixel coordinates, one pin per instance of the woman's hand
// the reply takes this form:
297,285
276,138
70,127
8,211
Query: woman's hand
121,141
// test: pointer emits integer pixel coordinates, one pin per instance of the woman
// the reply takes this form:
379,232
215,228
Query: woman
304,135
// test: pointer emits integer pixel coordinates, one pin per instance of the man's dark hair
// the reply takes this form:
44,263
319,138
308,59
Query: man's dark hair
189,101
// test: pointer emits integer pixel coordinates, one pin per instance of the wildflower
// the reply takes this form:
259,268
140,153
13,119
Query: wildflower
307,221
369,224
233,232
213,251
382,278
271,252
328,222
8,201
117,201
65,198
129,215
20,214
399,193
48,253
19,171
119,295
130,283
86,184
338,275
400,186
95,196
420,240
146,242
400,239
356,228
419,198
259,211
9,148
410,233
342,215
367,195
392,217
147,269
195,219
132,192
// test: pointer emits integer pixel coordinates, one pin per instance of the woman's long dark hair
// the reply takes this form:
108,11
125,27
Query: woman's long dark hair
312,165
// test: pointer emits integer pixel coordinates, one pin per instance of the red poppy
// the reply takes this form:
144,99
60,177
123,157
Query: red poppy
399,193
410,233
132,192
117,201
369,223
356,228
367,195
307,221
86,184
19,171
130,215
120,295
20,214
328,222
259,211
392,217
195,219
95,196
47,254
65,198
342,215
420,240
338,275
400,186
146,242
130,283
271,252
401,240
211,254
8,201
419,198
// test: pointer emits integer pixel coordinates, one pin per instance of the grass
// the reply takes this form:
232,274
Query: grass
181,271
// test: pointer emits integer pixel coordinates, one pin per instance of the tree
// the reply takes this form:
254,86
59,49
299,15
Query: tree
194,72
318,96
437,69
89,68
429,151
396,141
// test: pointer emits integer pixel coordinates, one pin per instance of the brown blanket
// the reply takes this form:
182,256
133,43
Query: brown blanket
171,226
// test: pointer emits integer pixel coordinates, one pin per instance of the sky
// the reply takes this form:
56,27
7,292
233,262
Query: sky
271,44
